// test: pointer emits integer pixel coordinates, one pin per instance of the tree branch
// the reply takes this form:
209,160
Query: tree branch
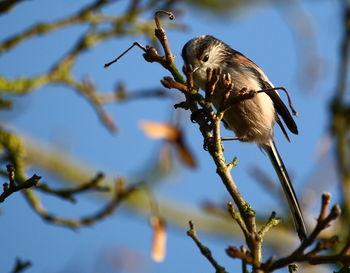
10,188
69,193
323,222
204,250
120,194
20,266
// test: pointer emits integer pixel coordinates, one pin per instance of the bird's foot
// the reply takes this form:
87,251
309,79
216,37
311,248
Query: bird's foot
209,141
198,114
244,94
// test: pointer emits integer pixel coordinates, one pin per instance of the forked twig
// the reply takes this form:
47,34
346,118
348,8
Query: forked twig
160,34
204,250
156,15
323,222
126,51
11,187
20,265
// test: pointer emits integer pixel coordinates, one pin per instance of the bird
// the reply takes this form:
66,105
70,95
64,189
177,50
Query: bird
252,120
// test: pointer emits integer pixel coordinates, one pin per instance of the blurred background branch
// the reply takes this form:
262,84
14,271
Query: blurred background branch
340,118
20,266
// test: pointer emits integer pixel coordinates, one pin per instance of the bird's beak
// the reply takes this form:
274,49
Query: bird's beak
195,69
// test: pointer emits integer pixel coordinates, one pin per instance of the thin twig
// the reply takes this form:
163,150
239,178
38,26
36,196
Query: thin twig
234,252
204,250
69,193
323,222
7,5
120,195
238,218
272,222
11,188
126,51
20,265
86,14
160,34
323,245
244,263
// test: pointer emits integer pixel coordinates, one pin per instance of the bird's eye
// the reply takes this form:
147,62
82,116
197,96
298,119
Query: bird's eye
205,58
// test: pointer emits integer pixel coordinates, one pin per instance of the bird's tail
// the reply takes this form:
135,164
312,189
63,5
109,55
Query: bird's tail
287,186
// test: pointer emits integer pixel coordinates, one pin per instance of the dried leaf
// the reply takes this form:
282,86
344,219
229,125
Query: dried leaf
159,238
159,130
185,154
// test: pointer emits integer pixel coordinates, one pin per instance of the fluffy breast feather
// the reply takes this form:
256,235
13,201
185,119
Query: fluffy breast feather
252,120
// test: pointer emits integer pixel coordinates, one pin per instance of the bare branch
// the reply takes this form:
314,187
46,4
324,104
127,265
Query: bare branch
234,252
238,218
204,250
21,266
69,193
272,222
160,34
11,188
323,222
120,194
126,51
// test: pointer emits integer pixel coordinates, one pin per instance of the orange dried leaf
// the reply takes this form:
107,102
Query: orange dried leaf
159,130
186,155
159,239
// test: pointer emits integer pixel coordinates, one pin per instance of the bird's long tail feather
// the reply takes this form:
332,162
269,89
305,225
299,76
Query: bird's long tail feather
287,186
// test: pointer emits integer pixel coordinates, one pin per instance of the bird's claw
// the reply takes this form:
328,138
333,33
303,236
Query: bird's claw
208,142
196,114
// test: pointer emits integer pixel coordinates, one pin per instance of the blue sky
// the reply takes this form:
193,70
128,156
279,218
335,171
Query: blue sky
55,114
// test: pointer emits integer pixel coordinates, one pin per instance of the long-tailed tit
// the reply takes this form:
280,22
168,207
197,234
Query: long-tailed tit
251,120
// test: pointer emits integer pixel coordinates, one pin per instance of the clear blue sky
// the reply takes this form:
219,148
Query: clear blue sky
55,114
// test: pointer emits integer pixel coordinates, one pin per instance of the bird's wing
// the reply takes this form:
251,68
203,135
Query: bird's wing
279,122
281,108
